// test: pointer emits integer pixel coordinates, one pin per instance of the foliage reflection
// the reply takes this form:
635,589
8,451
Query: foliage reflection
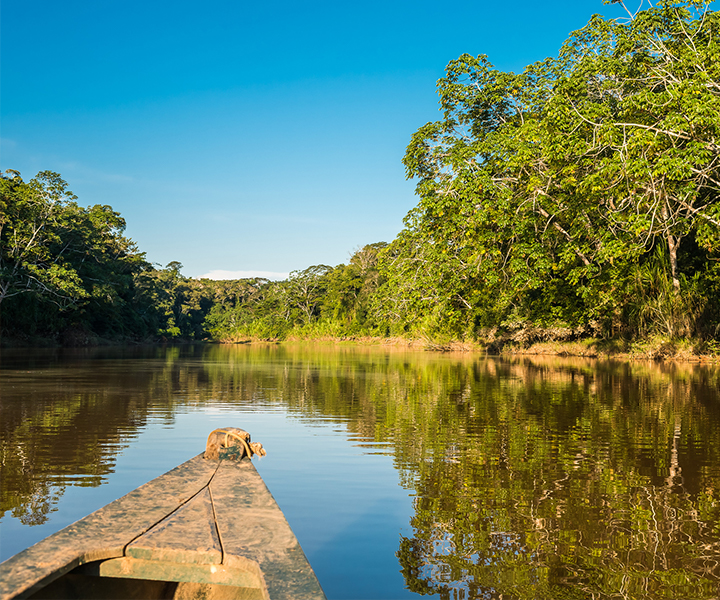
533,478
568,481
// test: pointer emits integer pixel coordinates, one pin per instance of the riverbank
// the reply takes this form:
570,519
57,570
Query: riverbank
657,348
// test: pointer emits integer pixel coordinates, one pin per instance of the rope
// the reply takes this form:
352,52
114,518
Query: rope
217,525
228,434
172,512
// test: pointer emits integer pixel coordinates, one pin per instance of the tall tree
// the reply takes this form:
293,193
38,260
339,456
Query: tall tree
540,191
59,253
30,228
305,289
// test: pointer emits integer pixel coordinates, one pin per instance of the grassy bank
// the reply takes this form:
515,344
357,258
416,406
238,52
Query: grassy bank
651,349
656,348
535,343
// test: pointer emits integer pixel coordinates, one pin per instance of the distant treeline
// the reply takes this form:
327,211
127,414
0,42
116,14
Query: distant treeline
577,198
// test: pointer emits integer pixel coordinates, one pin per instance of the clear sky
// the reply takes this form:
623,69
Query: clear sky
239,136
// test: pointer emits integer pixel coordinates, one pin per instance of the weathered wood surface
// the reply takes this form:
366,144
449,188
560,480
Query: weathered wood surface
204,522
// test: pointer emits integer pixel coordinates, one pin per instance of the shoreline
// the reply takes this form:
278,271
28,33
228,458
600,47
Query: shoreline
656,349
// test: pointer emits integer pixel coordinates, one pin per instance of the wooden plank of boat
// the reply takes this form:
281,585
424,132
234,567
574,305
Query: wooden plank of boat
207,529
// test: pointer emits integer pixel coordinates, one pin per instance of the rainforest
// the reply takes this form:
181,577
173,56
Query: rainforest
576,200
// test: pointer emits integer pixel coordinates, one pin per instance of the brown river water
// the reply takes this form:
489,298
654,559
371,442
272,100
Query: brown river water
403,473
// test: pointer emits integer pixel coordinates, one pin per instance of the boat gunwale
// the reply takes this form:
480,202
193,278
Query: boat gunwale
247,510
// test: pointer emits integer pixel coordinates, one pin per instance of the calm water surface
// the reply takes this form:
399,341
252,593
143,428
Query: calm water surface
402,473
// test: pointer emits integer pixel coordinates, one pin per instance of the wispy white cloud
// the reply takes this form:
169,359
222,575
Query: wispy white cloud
221,274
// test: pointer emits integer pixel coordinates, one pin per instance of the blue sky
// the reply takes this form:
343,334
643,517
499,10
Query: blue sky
239,137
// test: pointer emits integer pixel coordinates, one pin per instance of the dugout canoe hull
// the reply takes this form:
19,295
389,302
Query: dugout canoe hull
207,529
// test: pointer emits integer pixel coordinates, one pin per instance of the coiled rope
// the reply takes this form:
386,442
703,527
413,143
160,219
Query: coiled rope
228,435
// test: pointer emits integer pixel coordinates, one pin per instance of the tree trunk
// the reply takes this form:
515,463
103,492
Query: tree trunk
673,244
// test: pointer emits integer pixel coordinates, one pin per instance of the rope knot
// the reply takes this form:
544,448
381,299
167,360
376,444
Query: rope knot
231,443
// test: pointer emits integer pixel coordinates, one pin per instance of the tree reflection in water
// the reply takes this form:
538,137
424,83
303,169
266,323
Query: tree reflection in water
561,480
64,417
533,478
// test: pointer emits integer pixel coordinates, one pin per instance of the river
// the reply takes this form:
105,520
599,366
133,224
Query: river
403,473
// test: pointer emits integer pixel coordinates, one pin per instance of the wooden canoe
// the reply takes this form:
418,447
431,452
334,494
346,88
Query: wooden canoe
207,529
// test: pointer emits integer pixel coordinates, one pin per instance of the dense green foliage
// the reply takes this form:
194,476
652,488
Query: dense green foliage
318,301
63,268
68,273
582,191
578,197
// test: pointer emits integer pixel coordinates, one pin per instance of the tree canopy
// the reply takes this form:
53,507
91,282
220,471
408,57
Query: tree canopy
579,196
542,193
62,258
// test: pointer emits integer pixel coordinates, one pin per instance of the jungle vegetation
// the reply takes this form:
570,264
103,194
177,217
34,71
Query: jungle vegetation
578,198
